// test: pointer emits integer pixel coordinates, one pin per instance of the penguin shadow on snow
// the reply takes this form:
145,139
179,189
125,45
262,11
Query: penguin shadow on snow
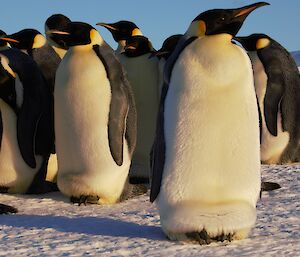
85,225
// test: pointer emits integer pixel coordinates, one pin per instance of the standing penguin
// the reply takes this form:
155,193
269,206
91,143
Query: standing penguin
277,86
121,31
26,139
142,74
56,22
33,43
206,168
95,119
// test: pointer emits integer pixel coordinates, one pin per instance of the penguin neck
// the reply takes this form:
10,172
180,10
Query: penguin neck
121,46
60,51
219,39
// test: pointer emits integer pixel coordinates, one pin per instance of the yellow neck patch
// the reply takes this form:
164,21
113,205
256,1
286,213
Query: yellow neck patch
39,41
96,39
262,43
197,28
136,32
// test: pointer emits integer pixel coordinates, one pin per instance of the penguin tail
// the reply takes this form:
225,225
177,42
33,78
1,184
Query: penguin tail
6,209
269,186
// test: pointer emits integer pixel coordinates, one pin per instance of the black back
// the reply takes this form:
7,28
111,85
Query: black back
32,137
122,115
159,146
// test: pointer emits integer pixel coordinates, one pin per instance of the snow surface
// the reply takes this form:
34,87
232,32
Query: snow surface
48,225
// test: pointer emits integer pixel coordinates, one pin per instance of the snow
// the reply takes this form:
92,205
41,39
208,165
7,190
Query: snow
48,225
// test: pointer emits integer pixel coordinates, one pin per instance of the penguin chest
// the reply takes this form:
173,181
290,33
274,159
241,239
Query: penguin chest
211,124
14,172
82,101
271,147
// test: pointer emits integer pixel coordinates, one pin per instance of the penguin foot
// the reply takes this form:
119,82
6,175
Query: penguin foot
201,237
5,209
85,199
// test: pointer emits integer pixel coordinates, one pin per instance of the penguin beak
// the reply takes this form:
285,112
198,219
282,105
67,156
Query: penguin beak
10,40
58,32
129,47
106,25
241,14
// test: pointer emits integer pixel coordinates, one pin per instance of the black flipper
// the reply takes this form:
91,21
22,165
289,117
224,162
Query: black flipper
28,118
120,107
274,94
159,146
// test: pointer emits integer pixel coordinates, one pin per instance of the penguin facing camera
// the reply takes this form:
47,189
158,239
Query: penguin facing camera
95,119
56,22
206,165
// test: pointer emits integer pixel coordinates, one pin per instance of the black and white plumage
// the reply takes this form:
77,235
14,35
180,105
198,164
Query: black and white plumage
206,168
26,137
277,85
95,119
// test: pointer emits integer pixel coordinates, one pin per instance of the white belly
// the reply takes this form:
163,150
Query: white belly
143,76
212,140
271,147
82,100
14,172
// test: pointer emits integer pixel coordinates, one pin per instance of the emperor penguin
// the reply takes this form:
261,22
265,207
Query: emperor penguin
121,31
95,119
277,86
206,165
142,74
54,23
33,43
26,139
164,53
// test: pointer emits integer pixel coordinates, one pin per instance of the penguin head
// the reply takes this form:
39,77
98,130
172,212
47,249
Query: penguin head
26,39
78,33
56,22
254,42
137,46
3,43
168,46
219,21
122,30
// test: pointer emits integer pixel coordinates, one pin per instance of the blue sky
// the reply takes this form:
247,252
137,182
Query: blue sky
157,19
